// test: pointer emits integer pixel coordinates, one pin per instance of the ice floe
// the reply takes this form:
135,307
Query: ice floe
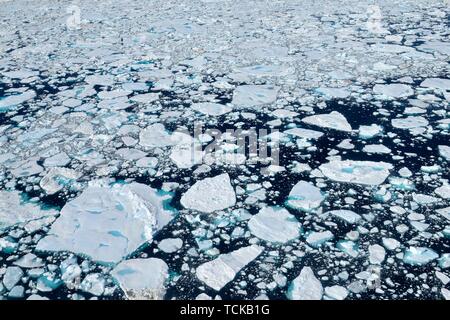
108,223
306,286
359,172
210,194
220,271
142,279
274,225
333,120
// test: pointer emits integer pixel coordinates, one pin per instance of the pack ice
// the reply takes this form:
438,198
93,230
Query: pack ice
210,194
358,172
220,271
108,223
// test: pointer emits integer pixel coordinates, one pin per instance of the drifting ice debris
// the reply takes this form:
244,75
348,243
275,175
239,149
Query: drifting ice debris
211,109
349,247
334,92
29,261
94,284
305,287
359,172
395,90
15,210
274,224
376,148
368,132
305,196
57,178
142,279
186,155
419,256
155,136
333,120
346,215
304,133
210,194
423,199
170,245
336,292
316,239
108,223
444,151
254,95
10,102
409,122
376,254
11,277
443,84
220,271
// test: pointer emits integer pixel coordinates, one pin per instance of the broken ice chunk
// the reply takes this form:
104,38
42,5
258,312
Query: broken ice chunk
395,90
305,196
142,279
444,151
376,254
9,102
333,92
359,172
170,245
15,210
155,135
346,215
274,224
57,178
220,271
419,256
305,287
437,83
376,148
254,95
108,223
333,120
316,239
210,194
336,292
211,109
409,122
368,132
304,133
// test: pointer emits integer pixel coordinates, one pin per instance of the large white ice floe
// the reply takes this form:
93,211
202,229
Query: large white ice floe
409,122
220,271
17,210
156,135
108,223
305,196
444,151
211,109
419,256
306,286
333,120
367,132
395,90
12,101
334,92
274,224
254,95
210,194
345,215
359,172
142,279
304,133
436,83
